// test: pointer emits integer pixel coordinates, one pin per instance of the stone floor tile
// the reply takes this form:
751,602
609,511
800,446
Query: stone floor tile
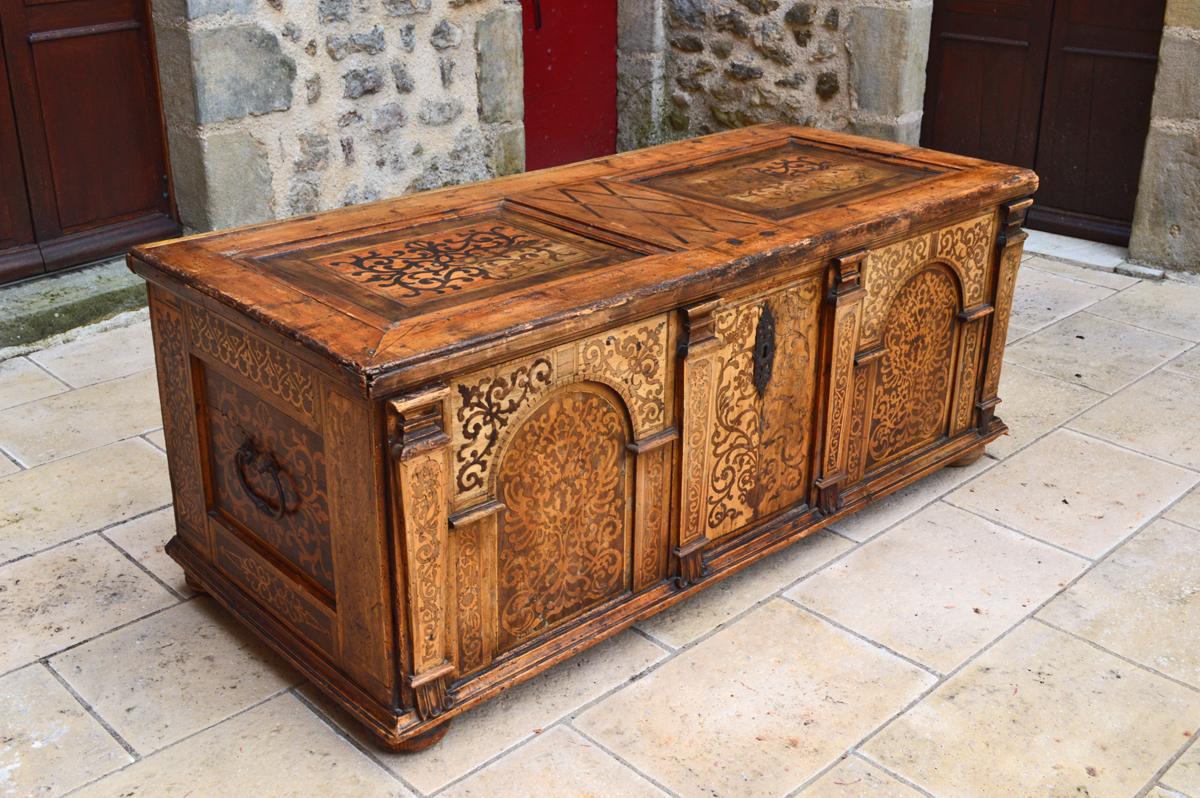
21,381
1032,404
66,595
1188,363
478,735
560,757
1094,253
1040,713
756,709
68,423
45,505
182,670
144,540
856,778
278,749
1094,351
1074,491
1165,306
1142,602
715,605
884,512
1160,415
100,356
1042,298
1184,775
7,466
1186,510
157,438
49,744
939,586
1106,279
1159,792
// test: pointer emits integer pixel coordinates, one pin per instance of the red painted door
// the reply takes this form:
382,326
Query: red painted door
570,80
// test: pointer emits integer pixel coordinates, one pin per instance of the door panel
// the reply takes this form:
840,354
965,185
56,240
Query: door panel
570,80
83,87
18,254
984,85
1061,86
749,400
1095,116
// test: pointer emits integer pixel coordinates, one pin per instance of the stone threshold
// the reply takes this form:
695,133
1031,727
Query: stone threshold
1088,254
49,305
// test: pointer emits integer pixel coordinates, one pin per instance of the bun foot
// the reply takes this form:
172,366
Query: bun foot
967,457
421,741
193,585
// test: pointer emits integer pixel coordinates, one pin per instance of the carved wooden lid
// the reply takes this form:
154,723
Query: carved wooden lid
386,290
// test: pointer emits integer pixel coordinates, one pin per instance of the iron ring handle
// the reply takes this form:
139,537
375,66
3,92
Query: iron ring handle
263,463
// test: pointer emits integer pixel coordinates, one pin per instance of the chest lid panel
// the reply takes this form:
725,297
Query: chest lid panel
789,178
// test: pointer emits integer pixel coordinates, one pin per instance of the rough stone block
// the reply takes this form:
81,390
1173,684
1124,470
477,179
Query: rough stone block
905,131
240,70
641,101
405,8
1177,87
500,63
640,25
687,13
508,151
446,35
238,177
467,162
1183,13
440,112
360,82
889,48
204,8
1166,222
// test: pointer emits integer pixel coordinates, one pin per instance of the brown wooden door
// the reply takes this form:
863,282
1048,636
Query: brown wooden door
84,117
1061,86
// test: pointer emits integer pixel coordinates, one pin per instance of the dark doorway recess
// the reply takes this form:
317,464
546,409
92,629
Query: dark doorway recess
82,156
1061,86
570,80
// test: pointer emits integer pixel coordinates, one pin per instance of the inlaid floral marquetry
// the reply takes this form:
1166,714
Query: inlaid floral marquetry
488,406
426,266
788,179
430,447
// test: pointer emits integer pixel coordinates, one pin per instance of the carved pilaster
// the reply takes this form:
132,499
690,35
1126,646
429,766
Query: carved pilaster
972,331
699,371
421,460
1010,243
846,295
652,523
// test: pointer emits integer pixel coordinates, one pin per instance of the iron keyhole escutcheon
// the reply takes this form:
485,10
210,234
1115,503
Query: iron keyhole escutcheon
764,349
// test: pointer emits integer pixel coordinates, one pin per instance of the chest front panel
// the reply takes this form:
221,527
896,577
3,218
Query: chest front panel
920,345
749,411
560,469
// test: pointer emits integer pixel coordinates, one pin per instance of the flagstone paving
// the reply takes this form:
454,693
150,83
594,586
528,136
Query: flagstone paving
1026,626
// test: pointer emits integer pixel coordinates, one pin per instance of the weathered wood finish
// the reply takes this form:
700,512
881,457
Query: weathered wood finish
430,447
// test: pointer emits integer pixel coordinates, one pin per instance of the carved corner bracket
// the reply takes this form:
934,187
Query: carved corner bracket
421,463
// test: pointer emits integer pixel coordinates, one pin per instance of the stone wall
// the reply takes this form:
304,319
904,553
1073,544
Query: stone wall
284,107
840,64
1166,224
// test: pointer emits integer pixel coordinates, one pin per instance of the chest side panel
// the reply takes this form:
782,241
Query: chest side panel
273,472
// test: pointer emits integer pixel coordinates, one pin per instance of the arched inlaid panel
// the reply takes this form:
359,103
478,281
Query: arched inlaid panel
915,374
564,540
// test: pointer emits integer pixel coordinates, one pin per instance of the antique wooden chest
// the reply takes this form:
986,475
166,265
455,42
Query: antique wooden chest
428,447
